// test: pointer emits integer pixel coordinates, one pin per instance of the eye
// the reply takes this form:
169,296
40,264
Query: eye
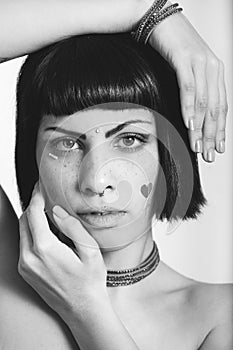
130,141
67,144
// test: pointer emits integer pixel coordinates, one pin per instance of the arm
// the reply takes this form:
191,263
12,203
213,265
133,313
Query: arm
200,73
28,25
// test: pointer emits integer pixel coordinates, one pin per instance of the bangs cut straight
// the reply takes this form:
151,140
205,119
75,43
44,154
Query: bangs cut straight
66,82
85,71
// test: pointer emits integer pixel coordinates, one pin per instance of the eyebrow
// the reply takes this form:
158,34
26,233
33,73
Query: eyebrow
108,133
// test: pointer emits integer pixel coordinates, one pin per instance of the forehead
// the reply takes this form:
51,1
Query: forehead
88,119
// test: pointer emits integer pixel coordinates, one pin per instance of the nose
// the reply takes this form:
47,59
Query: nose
96,175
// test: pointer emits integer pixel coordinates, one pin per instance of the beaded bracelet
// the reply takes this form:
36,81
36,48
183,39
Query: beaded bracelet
153,17
155,8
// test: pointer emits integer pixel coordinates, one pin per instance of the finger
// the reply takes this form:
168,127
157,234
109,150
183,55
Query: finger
196,133
187,93
37,221
85,245
210,127
25,235
212,113
25,244
221,123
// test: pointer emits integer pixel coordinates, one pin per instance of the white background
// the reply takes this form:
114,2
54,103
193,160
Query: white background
200,249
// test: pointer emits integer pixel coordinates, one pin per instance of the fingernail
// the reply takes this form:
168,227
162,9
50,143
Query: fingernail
59,212
191,124
222,146
198,146
210,155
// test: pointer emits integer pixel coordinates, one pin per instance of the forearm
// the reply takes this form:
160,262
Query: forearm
99,328
27,25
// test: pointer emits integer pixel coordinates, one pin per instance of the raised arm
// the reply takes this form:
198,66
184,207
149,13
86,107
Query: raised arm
27,25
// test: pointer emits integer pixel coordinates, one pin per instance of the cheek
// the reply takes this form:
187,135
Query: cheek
142,175
58,177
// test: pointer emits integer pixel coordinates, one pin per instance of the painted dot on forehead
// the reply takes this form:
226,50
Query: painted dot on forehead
146,189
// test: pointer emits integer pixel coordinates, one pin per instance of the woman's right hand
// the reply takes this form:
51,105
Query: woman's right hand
68,280
73,283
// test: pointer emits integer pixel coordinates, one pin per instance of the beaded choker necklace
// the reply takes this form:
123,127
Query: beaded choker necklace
125,277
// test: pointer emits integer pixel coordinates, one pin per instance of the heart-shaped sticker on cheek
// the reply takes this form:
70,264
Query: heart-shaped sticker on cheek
146,189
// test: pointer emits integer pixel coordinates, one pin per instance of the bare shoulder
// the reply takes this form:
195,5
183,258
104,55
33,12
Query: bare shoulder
25,320
212,303
218,299
212,299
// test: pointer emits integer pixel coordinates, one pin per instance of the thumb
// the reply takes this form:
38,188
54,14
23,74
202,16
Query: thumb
72,228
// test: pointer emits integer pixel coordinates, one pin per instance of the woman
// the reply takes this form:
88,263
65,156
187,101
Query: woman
165,293
80,176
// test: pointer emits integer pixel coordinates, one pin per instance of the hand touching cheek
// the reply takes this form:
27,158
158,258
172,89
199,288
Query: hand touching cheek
66,279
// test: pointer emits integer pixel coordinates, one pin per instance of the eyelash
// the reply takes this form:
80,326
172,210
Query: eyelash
140,137
56,143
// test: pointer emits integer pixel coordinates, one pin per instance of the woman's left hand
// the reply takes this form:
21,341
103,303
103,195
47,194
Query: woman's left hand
64,278
200,76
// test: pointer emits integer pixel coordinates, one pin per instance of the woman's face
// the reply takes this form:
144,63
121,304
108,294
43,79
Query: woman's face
101,166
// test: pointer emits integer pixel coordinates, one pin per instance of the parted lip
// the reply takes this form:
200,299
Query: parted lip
100,211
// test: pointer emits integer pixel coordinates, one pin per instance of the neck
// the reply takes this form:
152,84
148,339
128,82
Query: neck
130,255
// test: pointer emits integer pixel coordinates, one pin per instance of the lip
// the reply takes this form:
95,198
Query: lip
104,219
99,209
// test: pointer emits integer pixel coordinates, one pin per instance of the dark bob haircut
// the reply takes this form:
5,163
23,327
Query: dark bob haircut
84,71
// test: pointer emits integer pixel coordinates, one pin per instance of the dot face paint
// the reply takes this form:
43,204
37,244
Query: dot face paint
146,189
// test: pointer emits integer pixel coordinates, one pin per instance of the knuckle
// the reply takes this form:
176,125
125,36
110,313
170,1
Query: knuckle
92,254
209,138
30,211
213,62
189,108
188,87
200,58
202,103
198,129
215,112
223,109
42,249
